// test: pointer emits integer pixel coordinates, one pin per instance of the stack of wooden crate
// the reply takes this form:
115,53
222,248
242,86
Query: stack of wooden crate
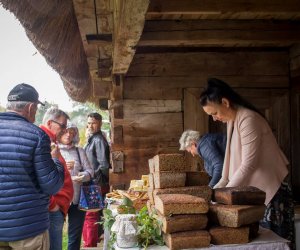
180,198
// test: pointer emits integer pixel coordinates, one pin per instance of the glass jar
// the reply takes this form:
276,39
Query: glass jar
125,227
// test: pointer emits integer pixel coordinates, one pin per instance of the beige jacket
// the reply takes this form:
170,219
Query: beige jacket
252,157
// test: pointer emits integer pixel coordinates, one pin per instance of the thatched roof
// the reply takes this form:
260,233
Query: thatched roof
52,27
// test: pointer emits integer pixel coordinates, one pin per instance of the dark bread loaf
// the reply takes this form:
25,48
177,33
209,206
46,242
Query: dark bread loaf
204,192
170,162
168,179
189,239
199,178
239,196
253,230
229,235
184,222
235,215
168,204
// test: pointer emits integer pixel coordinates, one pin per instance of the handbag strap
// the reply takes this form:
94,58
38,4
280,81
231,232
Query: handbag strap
79,158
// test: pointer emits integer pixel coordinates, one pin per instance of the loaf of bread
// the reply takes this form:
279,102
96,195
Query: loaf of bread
169,179
170,162
197,178
235,215
239,196
168,204
253,230
151,166
183,222
189,239
229,235
204,192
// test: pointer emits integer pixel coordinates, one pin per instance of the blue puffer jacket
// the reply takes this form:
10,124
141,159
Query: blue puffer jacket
211,148
28,175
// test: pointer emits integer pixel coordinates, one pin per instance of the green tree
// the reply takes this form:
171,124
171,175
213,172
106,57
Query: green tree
41,111
79,117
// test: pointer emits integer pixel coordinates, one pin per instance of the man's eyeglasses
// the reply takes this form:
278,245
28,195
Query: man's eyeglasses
62,126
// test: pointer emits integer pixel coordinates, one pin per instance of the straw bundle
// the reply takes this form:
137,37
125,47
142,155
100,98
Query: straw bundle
52,27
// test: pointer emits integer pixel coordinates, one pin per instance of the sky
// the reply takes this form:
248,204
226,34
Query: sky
20,62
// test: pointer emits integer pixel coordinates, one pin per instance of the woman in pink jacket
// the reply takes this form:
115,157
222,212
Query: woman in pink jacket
252,157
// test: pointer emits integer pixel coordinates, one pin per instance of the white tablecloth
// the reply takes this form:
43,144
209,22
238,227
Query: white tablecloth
267,240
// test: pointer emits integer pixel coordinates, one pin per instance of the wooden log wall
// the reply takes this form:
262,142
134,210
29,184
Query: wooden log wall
295,118
152,117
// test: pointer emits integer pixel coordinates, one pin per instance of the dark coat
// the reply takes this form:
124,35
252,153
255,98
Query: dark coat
28,175
211,148
97,151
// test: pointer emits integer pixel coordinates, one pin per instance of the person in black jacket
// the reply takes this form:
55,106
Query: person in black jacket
98,153
30,173
210,147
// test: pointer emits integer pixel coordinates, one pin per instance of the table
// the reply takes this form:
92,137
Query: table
267,240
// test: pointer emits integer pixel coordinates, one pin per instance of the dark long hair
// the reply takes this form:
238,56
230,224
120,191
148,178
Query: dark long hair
218,89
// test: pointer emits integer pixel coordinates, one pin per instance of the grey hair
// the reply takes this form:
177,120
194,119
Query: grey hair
187,138
16,105
54,113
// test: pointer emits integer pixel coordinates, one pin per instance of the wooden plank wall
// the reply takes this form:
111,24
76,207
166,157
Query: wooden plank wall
295,118
153,92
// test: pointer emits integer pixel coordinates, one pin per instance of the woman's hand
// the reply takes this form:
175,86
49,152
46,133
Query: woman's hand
222,183
79,177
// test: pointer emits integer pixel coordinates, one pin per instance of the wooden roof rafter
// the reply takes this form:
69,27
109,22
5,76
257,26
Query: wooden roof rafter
129,19
95,23
225,9
220,33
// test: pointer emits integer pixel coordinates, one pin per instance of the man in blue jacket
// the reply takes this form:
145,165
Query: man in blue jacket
210,147
29,173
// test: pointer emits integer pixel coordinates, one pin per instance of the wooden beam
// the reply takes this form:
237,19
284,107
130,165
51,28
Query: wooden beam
117,90
117,135
85,13
210,63
104,67
225,9
137,107
99,39
129,18
225,33
168,87
102,89
146,125
117,160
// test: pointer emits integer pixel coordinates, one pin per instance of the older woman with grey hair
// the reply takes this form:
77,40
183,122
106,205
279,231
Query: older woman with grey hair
210,147
81,171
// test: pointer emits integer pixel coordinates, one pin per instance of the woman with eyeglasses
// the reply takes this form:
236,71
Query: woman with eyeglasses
81,171
252,157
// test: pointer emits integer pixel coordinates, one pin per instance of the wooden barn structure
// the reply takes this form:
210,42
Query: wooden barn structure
147,61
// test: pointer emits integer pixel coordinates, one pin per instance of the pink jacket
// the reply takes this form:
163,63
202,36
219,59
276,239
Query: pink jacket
253,157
